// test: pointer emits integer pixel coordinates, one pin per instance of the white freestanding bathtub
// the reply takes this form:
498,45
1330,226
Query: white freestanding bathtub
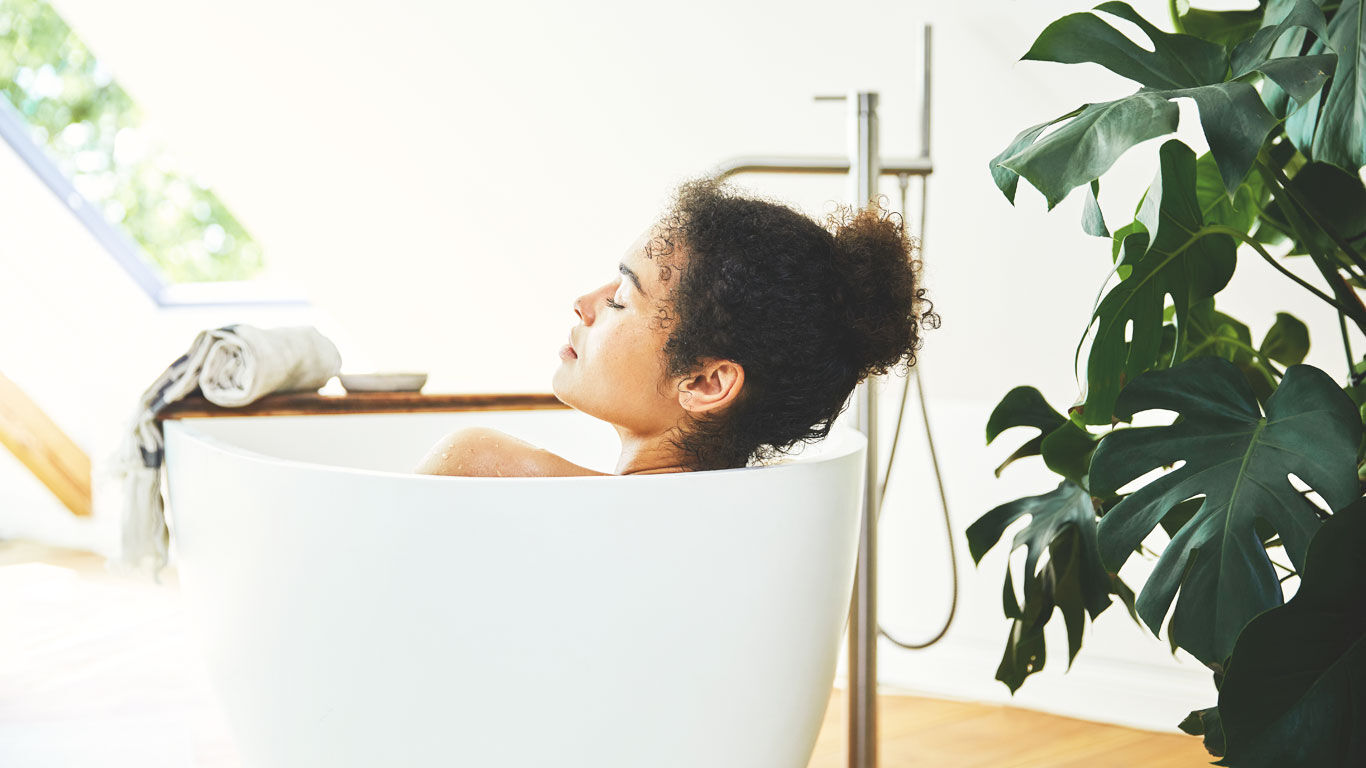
355,614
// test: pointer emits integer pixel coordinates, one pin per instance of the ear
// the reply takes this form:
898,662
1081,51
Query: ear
717,385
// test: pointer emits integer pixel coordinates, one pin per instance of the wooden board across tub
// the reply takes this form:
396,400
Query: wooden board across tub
307,403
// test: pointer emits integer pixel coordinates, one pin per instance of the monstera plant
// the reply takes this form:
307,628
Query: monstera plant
1264,454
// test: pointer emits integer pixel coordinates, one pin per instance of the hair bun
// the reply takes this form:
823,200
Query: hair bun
879,292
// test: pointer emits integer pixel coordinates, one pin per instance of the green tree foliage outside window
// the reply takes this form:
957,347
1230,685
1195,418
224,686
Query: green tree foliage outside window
94,133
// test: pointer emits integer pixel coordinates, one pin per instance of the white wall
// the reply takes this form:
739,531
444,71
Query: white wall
443,179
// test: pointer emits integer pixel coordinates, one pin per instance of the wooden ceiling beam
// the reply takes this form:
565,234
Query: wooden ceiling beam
47,451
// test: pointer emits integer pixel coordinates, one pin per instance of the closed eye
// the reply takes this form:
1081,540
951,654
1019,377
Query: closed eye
615,305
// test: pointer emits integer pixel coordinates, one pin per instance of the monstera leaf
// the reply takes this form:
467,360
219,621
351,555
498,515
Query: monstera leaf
1340,133
1165,260
1103,131
1301,123
1022,407
1281,18
1240,462
1287,342
1066,448
1206,722
1288,41
1233,115
1063,522
1295,689
1092,220
1238,213
1176,61
1211,332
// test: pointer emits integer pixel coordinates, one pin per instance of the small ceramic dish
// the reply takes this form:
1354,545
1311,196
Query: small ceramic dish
383,382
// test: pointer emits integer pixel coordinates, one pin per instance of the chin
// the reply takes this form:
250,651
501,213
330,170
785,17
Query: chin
559,393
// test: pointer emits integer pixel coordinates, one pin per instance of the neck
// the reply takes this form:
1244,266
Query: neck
647,455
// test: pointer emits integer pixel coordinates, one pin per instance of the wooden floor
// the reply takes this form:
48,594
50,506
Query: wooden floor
916,731
94,665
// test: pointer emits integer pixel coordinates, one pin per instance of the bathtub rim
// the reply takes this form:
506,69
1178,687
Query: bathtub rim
850,440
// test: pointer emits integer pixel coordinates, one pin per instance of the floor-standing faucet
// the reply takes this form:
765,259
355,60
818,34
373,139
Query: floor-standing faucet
864,168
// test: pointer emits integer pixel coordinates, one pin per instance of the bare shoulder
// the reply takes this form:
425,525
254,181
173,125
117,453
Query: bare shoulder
486,452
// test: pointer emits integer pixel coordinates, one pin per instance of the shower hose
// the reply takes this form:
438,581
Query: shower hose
903,180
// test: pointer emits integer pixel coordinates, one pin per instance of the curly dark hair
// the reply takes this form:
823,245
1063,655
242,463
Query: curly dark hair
806,311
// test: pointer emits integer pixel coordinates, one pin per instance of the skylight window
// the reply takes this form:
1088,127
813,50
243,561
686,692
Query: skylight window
79,130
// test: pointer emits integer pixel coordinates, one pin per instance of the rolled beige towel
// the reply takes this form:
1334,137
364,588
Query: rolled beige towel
232,366
246,363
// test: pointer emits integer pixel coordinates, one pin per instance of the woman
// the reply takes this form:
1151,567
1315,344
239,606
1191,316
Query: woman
737,328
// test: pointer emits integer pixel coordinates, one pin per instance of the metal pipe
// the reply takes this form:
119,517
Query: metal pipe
919,166
925,99
864,171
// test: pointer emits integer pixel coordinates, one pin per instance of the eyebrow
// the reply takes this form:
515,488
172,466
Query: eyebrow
625,270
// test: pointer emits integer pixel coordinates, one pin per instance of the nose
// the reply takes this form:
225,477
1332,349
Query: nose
584,306
579,307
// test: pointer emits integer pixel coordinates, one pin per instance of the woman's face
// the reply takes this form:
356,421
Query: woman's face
617,370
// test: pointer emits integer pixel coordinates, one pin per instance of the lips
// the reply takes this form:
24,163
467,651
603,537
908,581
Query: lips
571,343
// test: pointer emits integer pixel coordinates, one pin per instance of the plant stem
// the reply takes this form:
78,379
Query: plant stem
1247,239
1309,213
1357,275
1346,344
1348,301
1177,26
1291,571
1235,342
1257,362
